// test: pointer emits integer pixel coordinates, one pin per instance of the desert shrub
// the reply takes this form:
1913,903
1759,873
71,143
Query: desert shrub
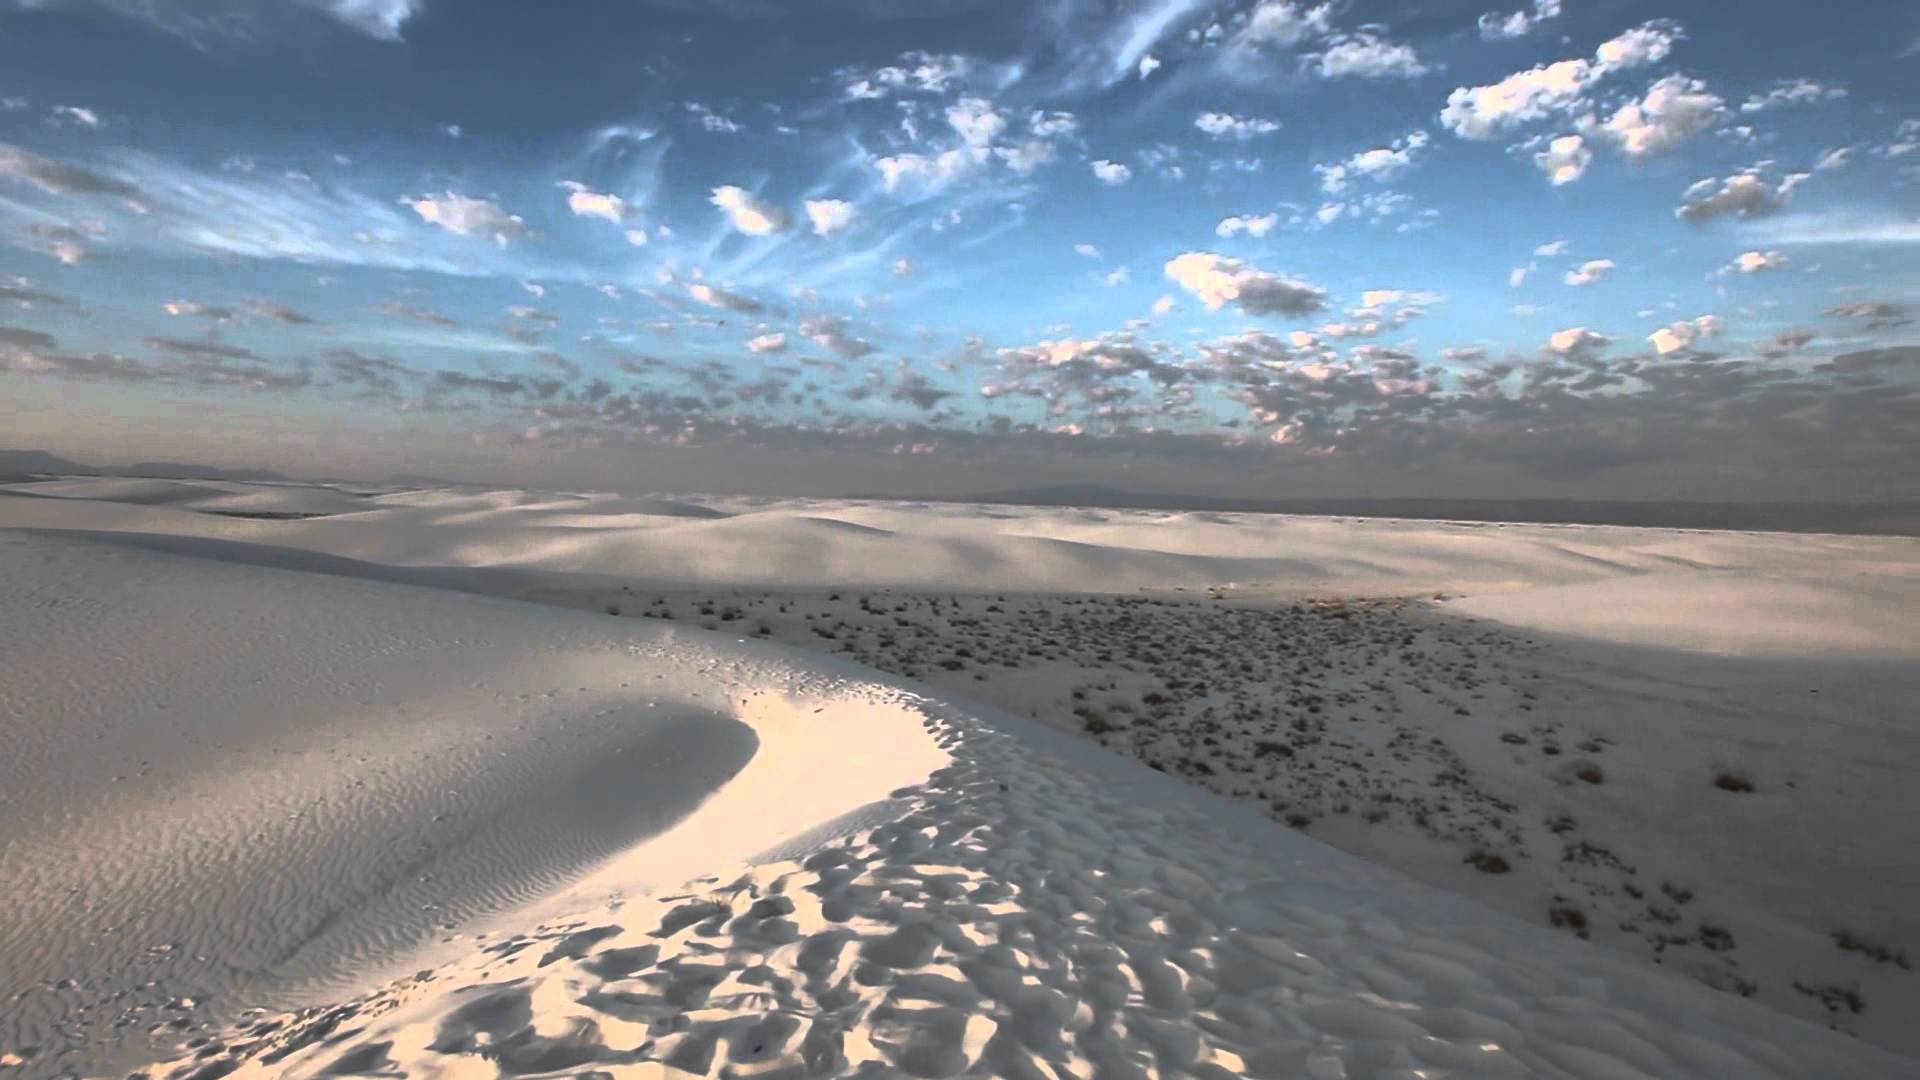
1732,782
1488,863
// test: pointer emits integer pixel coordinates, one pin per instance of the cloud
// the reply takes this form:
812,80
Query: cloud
1378,164
1518,276
1682,335
194,309
1497,27
1790,92
976,121
748,213
1745,194
1222,125
768,343
1674,110
1565,159
831,333
421,315
916,72
1835,227
915,176
1218,281
1590,272
59,178
74,114
1259,225
903,267
466,216
1366,56
1481,112
206,22
586,202
1112,172
1577,340
829,216
716,297
1756,262
65,244
1086,250
1148,65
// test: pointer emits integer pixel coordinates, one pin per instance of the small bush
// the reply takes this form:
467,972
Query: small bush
1488,863
1877,953
1570,918
1590,773
1731,782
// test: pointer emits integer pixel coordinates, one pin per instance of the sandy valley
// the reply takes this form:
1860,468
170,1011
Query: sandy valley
397,781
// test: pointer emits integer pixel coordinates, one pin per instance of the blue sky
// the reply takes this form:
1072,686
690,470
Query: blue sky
1263,247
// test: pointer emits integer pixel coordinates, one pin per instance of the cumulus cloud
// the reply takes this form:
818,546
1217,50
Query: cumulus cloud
1217,281
1790,92
1682,335
1252,225
1675,109
1112,172
1756,262
585,202
716,297
1481,112
1577,340
829,216
922,175
1367,56
748,213
831,334
1284,23
75,114
1589,272
466,216
1495,26
1378,164
1745,194
1222,125
1565,159
768,343
977,121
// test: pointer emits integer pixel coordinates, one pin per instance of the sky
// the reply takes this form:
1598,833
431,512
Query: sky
1472,248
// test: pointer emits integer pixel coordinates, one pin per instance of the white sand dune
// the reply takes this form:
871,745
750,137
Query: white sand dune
257,765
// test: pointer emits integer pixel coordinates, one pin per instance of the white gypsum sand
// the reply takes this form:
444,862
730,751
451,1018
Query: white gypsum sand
1167,898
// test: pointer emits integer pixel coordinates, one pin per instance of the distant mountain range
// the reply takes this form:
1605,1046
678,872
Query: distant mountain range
1886,519
23,464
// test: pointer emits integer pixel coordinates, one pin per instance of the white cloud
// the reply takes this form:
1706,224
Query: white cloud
1792,92
903,268
1378,164
1683,334
748,212
714,296
467,216
1480,112
1577,339
74,114
1497,27
1648,43
768,343
1112,172
1838,158
1259,225
1051,125
921,175
1518,276
1026,156
1551,248
637,237
829,216
831,334
1164,305
1228,126
1841,227
1674,110
1088,250
585,202
1217,281
1756,262
1285,22
1366,56
1117,276
976,121
1148,65
1590,272
1565,159
1745,194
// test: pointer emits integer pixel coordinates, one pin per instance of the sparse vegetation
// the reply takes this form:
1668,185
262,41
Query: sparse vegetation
1732,782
